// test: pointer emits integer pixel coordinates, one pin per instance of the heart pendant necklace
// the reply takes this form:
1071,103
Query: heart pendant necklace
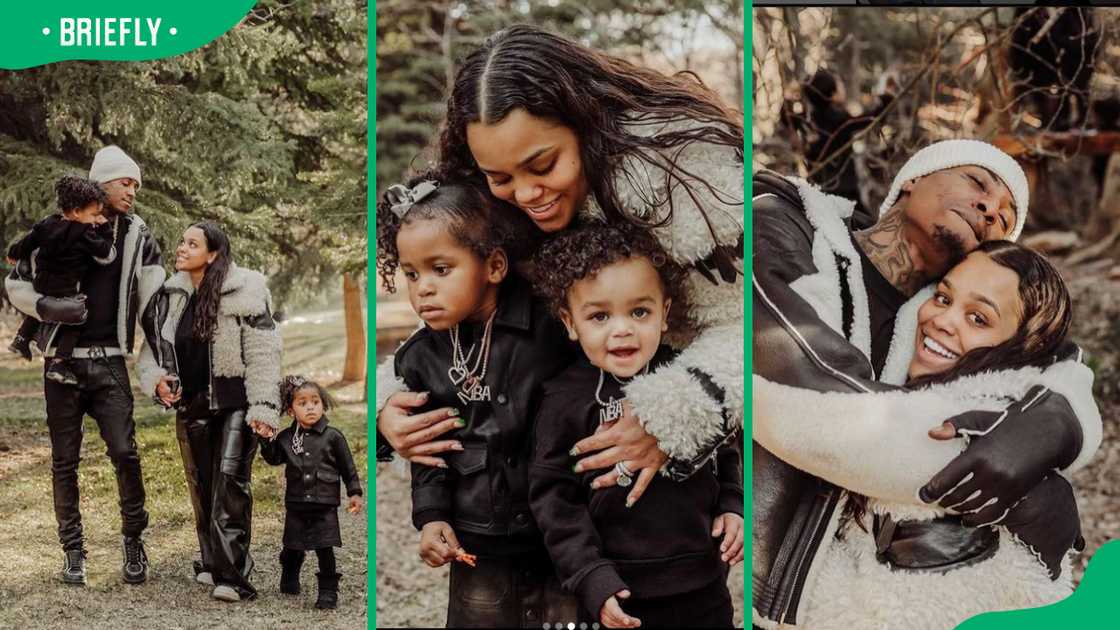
469,379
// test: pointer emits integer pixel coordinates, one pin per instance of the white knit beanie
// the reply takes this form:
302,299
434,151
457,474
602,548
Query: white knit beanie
953,153
112,163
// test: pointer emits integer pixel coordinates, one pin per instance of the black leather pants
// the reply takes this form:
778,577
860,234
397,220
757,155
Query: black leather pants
218,452
519,591
102,393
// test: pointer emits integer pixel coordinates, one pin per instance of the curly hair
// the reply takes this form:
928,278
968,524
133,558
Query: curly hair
293,384
476,219
75,192
573,255
596,95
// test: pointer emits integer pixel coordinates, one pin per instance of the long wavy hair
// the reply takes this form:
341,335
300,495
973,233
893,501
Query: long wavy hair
209,293
599,97
1047,312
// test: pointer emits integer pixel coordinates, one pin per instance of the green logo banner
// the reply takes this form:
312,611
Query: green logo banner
120,30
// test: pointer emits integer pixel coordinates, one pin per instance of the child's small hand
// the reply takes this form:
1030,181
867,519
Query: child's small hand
438,544
730,526
612,616
262,429
355,504
10,260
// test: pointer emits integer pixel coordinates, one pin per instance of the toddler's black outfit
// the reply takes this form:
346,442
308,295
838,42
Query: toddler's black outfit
315,460
67,249
660,549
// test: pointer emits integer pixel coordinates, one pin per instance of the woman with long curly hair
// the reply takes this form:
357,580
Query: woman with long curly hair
567,134
213,353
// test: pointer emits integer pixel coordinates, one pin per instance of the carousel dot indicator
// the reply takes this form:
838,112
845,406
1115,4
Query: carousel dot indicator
173,31
46,30
571,625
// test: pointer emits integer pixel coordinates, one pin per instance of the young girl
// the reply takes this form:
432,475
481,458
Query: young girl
484,350
316,457
656,563
979,340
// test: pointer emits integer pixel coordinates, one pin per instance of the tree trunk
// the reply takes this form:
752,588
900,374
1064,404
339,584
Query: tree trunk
355,367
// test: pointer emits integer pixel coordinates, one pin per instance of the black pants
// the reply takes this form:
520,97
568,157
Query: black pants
28,328
327,565
103,393
706,607
519,591
218,452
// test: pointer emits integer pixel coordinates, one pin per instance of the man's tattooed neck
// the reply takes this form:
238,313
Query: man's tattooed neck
886,247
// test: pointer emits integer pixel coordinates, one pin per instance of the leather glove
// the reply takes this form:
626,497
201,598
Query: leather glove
1009,453
63,310
1046,520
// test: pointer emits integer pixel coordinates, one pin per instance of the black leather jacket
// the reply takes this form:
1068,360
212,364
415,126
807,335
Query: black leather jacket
791,509
313,476
485,489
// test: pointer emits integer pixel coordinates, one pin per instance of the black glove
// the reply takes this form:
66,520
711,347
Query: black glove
1046,520
63,310
1009,453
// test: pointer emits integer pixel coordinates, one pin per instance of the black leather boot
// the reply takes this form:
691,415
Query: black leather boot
328,591
22,346
291,562
74,567
135,567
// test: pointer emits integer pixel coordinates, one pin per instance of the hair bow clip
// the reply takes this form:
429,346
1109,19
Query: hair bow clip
402,198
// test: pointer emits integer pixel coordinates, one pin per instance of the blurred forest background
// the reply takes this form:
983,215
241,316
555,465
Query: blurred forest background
844,96
418,44
263,131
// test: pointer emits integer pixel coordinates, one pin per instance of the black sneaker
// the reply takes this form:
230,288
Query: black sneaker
60,373
22,346
74,567
135,568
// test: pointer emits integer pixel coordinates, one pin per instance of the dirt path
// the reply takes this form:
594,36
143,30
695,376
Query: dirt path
31,595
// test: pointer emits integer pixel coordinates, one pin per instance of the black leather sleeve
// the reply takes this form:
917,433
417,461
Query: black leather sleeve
792,346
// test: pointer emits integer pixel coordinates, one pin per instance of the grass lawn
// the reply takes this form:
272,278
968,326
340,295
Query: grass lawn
32,596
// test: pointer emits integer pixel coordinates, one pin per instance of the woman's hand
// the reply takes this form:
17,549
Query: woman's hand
438,544
412,436
355,504
625,441
730,526
262,429
612,616
163,392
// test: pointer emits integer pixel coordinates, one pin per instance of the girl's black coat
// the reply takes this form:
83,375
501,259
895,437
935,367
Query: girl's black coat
313,476
484,492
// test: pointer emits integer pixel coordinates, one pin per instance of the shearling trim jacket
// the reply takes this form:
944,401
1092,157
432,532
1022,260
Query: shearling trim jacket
693,404
141,276
245,350
803,256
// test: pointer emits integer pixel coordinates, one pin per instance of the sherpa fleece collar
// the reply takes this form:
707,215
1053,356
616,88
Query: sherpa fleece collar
241,292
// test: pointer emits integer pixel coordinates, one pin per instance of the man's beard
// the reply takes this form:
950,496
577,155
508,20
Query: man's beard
950,243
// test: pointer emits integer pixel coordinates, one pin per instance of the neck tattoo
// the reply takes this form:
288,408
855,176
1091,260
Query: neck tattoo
469,378
887,248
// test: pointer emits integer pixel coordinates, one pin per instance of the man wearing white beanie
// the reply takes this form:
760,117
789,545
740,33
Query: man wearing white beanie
828,283
115,294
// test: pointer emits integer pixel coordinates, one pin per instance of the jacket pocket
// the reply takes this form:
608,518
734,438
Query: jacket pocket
471,495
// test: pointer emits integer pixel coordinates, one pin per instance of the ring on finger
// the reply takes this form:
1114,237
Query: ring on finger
625,478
